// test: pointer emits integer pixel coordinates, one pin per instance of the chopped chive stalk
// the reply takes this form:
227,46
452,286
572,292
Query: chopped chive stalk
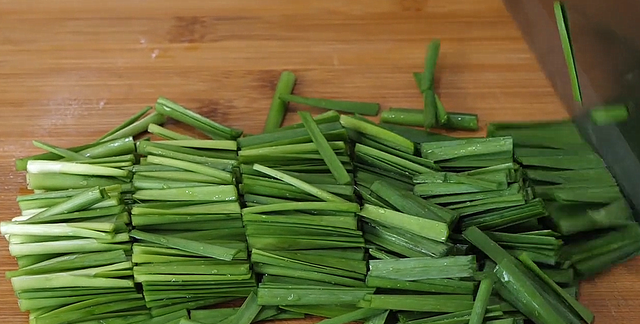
126,123
461,121
482,297
322,194
278,108
356,315
442,117
429,109
466,147
402,117
404,201
584,312
60,151
167,134
420,226
355,107
327,153
610,114
205,193
402,143
423,268
430,61
36,166
170,109
137,127
199,248
203,144
78,202
567,47
193,167
307,297
330,116
419,303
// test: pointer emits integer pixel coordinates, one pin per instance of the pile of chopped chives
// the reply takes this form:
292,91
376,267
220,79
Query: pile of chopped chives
336,216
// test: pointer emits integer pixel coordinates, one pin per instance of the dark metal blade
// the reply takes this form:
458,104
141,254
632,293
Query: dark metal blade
606,47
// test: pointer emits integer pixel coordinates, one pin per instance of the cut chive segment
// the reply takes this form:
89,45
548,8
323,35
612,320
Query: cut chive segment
322,194
327,153
199,248
420,226
171,109
278,108
402,143
126,123
355,107
167,134
136,127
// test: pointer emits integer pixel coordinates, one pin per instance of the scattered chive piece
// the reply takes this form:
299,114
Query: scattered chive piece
167,134
137,127
431,59
402,143
322,194
355,107
126,123
327,153
330,116
60,151
209,127
482,297
610,114
429,109
420,226
461,121
565,38
278,106
442,117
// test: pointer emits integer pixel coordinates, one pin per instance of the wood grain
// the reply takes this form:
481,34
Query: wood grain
71,70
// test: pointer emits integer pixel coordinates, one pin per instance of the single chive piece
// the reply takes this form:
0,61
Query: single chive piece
461,121
403,243
167,134
183,176
126,123
136,127
482,297
288,136
567,47
328,311
362,108
402,143
247,312
354,316
403,117
327,153
415,135
94,150
609,114
584,312
437,231
419,303
424,268
78,202
60,151
322,194
309,297
442,117
209,127
63,230
202,144
205,193
575,218
392,159
193,167
466,148
278,108
444,286
404,201
429,109
199,248
287,149
330,116
430,61
36,166
149,149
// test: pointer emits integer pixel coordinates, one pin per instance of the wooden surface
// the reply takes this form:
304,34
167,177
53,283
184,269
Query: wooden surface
71,70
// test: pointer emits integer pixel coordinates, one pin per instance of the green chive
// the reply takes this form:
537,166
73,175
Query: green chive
207,193
429,108
362,108
610,114
322,194
431,59
60,151
136,127
126,123
200,248
567,47
420,226
278,108
402,143
330,116
423,268
327,153
193,167
179,113
482,297
167,134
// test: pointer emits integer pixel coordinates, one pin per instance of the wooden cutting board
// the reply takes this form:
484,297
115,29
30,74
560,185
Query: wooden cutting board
71,70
